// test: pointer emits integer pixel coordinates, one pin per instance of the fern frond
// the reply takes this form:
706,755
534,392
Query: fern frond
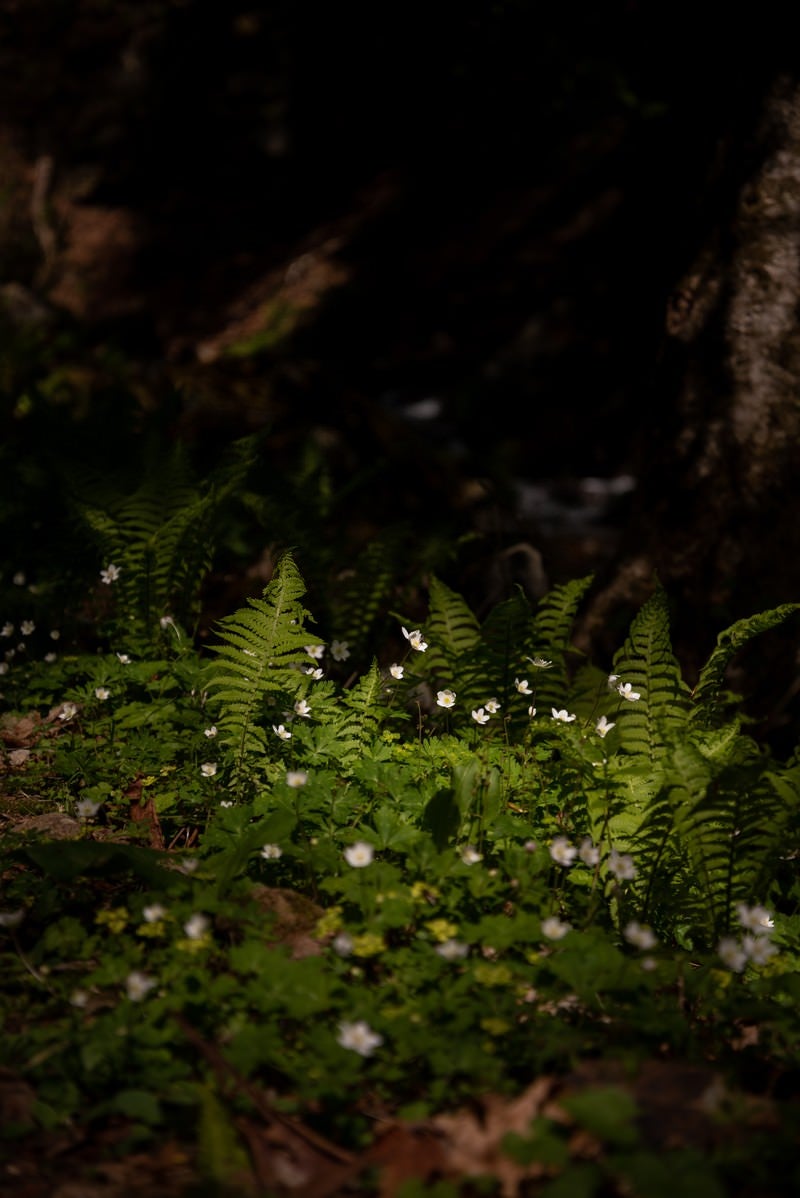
451,629
647,662
359,597
550,634
707,692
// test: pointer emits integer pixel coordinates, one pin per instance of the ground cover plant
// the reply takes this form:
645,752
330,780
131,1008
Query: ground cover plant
387,899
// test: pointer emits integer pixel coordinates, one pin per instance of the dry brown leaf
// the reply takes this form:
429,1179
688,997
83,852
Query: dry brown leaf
20,732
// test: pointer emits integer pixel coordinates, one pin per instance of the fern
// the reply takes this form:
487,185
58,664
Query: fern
452,630
359,595
551,631
261,646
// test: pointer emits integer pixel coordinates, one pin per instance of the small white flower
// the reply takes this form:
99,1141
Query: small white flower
123,659
562,852
282,732
21,647
562,715
7,630
188,865
11,919
621,865
226,802
758,949
588,852
110,574
732,954
540,663
445,698
167,622
480,716
359,854
68,711
154,913
271,852
639,935
79,998
102,693
359,1037
415,639
27,627
138,985
756,919
471,856
302,709
342,944
340,650
19,579
50,658
626,690
55,635
554,928
531,712
196,927
208,769
396,671
522,686
602,727
296,778
210,732
314,672
613,679
316,651
86,809
492,706
452,950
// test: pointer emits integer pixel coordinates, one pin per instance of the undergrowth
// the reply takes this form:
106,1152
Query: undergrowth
353,881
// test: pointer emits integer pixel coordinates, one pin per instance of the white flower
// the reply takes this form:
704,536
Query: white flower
110,574
396,671
210,732
480,716
68,710
562,715
492,706
756,919
531,712
340,650
302,709
167,622
541,663
296,778
360,1037
588,852
621,865
313,672
282,732
522,686
613,679
188,865
19,579
342,944
208,769
732,954
138,985
11,919
626,690
50,658
415,639
639,935
55,635
758,949
271,852
452,950
123,659
471,856
102,693
79,998
86,809
554,928
21,647
27,627
317,651
445,698
226,802
153,913
562,852
603,726
359,854
7,630
196,927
